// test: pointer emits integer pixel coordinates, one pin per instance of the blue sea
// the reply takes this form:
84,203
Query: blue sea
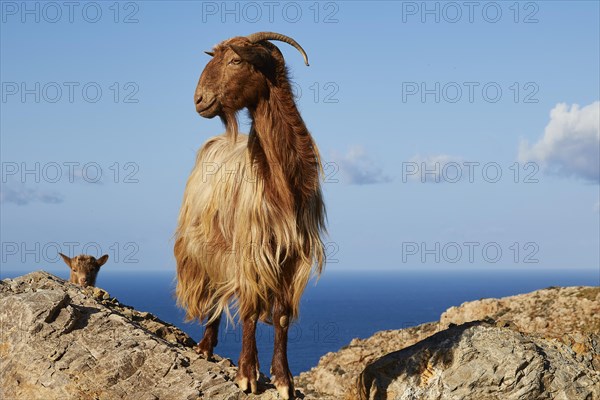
343,304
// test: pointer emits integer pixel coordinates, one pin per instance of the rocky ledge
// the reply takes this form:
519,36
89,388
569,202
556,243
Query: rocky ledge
540,345
58,340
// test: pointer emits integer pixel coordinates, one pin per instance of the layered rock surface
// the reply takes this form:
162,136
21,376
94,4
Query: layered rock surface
59,341
479,360
562,323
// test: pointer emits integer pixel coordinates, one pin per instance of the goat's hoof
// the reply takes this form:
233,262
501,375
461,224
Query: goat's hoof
285,391
284,387
247,375
204,351
246,384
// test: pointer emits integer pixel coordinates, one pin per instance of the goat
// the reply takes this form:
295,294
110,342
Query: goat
84,268
250,225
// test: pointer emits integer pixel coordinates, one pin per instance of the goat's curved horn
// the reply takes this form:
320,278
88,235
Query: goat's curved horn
259,36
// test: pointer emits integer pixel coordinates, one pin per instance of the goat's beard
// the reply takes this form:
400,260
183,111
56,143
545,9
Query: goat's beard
230,121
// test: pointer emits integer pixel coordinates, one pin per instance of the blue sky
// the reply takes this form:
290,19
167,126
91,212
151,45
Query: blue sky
393,89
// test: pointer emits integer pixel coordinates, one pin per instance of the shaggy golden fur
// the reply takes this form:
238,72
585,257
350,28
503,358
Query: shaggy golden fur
239,244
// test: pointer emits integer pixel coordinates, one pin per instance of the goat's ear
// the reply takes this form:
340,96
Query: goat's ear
102,260
255,55
66,259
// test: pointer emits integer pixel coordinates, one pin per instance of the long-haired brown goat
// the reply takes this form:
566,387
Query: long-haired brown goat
250,225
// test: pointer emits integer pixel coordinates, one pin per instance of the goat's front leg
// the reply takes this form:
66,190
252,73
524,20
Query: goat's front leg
209,340
280,371
248,368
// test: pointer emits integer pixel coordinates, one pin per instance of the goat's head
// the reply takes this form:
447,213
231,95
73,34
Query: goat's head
239,72
84,268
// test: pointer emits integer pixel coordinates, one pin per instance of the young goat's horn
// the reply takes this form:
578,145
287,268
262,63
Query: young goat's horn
259,36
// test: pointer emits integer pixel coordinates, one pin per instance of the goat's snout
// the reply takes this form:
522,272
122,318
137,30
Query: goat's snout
205,103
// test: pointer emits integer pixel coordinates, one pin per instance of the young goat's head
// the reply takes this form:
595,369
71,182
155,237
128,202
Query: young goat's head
84,268
239,73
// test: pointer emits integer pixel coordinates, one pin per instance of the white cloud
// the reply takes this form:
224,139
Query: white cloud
358,168
571,142
21,195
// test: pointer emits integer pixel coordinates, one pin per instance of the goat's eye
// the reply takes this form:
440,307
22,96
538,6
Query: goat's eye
235,61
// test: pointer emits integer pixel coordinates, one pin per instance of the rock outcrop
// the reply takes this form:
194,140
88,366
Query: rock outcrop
61,341
480,360
562,322
550,312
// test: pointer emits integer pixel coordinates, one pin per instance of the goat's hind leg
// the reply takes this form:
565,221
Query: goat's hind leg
280,371
248,368
209,340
